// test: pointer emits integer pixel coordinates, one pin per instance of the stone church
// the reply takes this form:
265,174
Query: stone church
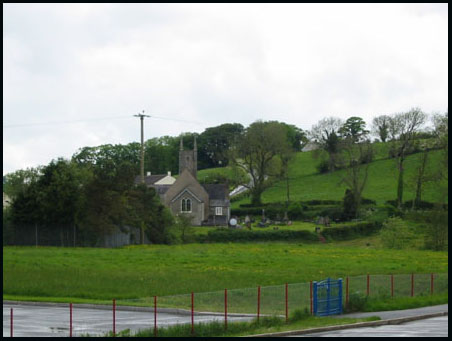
206,204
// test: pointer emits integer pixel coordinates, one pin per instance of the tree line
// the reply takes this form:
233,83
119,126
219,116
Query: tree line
95,190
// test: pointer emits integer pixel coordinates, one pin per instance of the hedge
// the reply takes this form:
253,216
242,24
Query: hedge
349,232
233,235
424,205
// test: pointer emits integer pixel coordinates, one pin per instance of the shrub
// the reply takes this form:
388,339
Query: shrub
422,205
350,232
229,235
323,166
295,211
356,302
436,228
396,234
321,202
334,213
365,201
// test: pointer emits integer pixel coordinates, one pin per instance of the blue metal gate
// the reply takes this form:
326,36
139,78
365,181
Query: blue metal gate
327,297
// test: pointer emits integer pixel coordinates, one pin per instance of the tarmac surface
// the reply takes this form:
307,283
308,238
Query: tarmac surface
47,320
54,320
432,327
421,322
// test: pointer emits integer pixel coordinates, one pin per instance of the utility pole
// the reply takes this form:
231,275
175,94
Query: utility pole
142,116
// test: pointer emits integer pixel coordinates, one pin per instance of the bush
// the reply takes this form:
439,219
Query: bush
436,228
396,234
229,235
352,231
356,302
422,205
321,202
365,201
295,211
240,196
334,213
323,166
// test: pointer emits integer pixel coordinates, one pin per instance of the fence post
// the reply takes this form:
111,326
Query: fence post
412,285
287,302
368,284
314,289
258,301
70,319
192,313
431,284
155,316
310,294
346,291
114,317
392,285
225,308
11,324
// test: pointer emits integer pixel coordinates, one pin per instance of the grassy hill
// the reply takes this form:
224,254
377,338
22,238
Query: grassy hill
306,183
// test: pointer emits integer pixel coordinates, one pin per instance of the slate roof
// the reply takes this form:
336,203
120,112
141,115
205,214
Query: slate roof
217,192
149,179
161,189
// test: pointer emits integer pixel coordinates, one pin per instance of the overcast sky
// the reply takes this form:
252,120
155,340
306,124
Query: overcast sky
75,74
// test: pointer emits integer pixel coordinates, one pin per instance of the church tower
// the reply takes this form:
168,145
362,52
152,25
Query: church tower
188,159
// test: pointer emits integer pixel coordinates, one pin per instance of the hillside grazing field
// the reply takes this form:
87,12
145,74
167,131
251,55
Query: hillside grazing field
307,184
90,274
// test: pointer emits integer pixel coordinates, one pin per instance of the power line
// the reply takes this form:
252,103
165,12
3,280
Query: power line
64,122
91,120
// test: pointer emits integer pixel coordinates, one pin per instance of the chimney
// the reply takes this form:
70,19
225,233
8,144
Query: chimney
148,173
169,173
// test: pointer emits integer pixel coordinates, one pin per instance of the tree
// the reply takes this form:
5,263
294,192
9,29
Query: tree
215,142
354,128
380,127
326,134
147,212
420,178
109,157
402,128
297,137
17,182
106,200
256,153
355,174
162,155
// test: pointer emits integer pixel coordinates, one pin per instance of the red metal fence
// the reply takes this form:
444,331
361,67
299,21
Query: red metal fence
277,300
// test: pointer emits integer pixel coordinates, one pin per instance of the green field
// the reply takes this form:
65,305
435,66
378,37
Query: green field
71,274
307,184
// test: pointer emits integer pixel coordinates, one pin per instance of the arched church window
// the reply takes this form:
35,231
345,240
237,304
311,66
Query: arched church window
186,205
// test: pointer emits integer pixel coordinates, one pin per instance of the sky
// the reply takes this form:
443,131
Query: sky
74,75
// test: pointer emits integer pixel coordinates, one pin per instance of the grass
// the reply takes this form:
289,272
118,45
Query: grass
94,274
307,184
399,303
297,321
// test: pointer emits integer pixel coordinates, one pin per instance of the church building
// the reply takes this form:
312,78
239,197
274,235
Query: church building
206,204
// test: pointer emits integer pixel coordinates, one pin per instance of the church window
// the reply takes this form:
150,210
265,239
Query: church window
218,210
186,205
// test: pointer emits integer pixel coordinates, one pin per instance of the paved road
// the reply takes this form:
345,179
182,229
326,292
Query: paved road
432,327
44,321
388,315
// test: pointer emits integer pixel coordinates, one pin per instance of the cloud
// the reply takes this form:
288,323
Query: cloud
207,64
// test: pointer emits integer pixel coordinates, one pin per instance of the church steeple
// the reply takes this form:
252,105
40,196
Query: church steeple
188,159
